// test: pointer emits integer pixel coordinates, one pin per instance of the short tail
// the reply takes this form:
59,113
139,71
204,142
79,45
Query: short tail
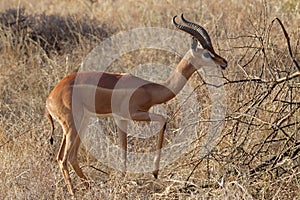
51,123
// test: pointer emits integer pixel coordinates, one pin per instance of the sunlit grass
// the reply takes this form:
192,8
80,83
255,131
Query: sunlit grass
69,30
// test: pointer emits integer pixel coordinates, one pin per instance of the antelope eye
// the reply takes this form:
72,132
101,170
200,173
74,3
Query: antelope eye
206,54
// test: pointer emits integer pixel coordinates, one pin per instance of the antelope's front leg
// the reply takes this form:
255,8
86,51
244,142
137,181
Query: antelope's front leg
145,116
160,140
122,134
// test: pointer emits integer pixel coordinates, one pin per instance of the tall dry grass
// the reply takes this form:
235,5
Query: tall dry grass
257,157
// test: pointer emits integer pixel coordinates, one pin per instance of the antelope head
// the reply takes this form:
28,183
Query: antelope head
203,54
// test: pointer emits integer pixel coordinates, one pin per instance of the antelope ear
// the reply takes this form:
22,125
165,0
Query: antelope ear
194,44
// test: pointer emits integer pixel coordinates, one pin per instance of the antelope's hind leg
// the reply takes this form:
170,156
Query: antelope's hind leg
74,162
63,155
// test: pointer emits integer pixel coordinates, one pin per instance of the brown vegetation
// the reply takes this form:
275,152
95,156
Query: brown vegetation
258,154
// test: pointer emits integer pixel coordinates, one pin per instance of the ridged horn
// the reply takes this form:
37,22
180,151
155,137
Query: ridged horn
199,28
192,32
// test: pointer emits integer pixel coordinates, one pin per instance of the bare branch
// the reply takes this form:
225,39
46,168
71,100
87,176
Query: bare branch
288,41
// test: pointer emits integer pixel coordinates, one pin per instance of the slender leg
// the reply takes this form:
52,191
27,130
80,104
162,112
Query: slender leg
145,116
73,154
160,140
63,165
61,158
74,163
73,143
68,140
122,134
61,149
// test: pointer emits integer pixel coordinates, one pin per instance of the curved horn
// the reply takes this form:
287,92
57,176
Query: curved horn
191,31
198,28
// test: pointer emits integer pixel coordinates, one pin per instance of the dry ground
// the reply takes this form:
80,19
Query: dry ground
257,156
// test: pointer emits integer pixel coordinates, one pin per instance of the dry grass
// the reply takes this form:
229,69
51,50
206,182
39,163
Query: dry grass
258,155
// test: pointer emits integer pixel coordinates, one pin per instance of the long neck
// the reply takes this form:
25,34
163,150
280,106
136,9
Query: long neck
173,85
